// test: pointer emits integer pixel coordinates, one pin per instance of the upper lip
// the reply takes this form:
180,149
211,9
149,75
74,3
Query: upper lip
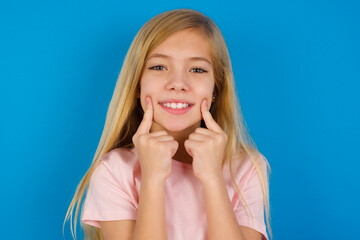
175,101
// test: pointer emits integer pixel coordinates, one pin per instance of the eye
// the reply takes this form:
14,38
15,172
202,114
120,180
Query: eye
158,68
198,70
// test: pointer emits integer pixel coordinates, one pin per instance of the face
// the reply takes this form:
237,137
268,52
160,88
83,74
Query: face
177,76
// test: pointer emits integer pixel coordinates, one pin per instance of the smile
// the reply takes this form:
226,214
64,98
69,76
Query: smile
176,107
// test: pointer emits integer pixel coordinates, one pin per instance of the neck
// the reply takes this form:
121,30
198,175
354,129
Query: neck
181,154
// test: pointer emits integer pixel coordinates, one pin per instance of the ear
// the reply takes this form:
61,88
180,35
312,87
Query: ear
213,96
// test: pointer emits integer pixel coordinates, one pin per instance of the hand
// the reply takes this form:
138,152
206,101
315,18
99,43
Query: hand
155,150
207,146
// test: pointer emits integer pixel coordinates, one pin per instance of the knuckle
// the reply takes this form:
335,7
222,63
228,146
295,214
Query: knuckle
152,141
162,147
142,138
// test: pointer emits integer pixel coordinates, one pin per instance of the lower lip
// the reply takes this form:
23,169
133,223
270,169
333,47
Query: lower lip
176,111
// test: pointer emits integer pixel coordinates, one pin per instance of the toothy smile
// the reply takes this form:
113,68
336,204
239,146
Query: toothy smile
175,105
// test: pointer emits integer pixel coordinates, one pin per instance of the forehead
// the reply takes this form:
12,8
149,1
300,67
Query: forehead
188,43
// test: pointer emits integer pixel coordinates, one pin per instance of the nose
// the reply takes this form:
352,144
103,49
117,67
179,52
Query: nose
177,82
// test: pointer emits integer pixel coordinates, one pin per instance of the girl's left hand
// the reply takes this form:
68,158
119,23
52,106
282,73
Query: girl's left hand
207,146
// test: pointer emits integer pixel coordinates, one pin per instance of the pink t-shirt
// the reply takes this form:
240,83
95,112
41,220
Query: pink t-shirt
113,194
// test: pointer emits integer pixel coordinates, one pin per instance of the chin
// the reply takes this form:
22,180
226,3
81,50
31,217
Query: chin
176,126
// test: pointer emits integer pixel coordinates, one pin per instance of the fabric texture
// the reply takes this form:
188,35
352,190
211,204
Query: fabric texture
114,187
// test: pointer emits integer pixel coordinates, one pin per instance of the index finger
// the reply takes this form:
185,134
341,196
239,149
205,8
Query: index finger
146,123
210,123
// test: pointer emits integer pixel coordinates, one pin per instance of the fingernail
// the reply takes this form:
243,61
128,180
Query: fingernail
147,99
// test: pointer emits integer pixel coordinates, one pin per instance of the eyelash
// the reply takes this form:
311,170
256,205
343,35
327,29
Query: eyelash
199,70
156,67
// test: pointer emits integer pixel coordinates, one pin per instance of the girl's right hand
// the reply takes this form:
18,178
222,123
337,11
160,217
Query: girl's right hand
155,150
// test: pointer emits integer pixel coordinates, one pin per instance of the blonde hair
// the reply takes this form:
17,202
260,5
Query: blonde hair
125,113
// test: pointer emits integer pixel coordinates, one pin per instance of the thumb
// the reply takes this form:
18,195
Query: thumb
146,123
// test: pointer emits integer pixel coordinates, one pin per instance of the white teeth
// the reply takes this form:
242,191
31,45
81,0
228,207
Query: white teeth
176,105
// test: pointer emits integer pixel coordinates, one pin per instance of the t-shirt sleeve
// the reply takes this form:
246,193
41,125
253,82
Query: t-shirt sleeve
106,199
251,190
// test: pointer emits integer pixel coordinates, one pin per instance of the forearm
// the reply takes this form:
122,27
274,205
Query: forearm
222,223
151,222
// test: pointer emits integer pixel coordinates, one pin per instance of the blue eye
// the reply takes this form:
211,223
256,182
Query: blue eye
158,68
198,70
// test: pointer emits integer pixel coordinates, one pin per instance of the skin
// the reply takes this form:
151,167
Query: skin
162,136
178,76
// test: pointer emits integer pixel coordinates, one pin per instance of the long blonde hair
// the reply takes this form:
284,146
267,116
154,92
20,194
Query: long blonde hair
125,113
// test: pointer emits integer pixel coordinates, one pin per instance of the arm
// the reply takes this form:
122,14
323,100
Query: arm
222,223
155,151
117,230
150,223
207,147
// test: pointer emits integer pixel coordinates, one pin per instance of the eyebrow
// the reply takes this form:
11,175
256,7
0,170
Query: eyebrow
160,55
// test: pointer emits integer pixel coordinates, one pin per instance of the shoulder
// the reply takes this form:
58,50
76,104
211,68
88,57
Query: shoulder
120,157
117,162
117,167
245,166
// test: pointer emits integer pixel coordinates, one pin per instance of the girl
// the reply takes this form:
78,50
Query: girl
175,160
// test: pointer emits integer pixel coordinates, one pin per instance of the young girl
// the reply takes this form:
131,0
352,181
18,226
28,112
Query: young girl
175,160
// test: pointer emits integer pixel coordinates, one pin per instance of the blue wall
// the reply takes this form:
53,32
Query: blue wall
296,65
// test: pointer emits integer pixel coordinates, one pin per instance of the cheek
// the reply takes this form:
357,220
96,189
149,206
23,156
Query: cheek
147,89
205,92
143,93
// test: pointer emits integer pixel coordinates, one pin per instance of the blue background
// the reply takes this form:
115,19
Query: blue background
296,65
